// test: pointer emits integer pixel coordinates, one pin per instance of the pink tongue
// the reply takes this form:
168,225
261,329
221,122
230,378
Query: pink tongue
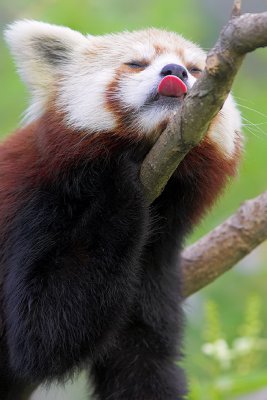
172,86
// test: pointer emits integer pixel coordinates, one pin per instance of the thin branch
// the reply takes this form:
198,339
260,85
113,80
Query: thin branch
236,12
241,35
227,244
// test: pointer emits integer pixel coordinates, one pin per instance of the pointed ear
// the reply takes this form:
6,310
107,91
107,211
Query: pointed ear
41,50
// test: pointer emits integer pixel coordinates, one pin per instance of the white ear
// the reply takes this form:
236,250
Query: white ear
41,50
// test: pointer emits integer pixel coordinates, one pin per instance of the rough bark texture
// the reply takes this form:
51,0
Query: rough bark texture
227,244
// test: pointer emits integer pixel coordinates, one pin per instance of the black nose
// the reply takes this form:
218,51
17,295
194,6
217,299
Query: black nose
175,69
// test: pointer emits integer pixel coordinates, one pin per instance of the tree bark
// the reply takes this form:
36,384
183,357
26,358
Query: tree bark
227,244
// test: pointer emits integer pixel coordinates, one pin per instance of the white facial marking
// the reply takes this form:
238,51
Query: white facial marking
226,123
82,98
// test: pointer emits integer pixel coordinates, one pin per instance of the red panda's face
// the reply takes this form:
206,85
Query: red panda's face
149,57
110,82
114,81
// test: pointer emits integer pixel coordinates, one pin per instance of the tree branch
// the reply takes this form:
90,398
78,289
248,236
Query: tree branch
227,244
241,35
236,12
222,248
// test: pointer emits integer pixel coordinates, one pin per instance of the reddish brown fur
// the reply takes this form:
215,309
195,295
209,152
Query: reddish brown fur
40,150
60,146
158,50
124,120
161,50
18,162
203,175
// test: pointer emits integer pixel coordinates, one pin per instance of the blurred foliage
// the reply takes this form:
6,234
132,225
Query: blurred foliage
231,367
200,22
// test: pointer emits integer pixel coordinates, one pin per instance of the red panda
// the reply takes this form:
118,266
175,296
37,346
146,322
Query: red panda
91,270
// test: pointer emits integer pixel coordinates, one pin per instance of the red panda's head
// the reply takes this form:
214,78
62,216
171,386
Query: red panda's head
110,82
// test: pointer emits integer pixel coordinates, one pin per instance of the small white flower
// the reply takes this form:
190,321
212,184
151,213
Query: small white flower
220,351
244,345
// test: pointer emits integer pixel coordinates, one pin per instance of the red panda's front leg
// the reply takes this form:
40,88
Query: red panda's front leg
72,262
144,363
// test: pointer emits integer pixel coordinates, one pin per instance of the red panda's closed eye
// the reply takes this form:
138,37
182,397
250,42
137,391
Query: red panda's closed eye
137,64
195,71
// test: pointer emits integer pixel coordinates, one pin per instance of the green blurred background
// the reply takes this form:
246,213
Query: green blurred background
233,308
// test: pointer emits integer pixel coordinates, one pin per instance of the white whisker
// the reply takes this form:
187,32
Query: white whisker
252,109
